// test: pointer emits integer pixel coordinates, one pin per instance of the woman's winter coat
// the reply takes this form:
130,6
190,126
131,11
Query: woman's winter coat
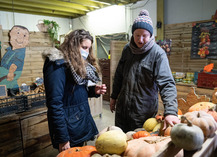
137,80
69,116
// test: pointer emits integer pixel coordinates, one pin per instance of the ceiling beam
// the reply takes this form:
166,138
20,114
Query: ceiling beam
79,4
89,3
58,8
34,10
118,2
42,6
34,13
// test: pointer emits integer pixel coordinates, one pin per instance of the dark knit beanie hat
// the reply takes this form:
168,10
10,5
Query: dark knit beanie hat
143,21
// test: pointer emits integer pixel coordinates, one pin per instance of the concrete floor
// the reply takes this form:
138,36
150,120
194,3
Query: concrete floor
106,119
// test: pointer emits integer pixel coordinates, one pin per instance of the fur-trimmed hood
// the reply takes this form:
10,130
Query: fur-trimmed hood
53,54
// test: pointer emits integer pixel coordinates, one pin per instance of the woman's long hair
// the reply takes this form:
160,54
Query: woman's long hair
71,51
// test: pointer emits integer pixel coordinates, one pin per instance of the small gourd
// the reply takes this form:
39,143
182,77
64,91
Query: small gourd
141,134
150,124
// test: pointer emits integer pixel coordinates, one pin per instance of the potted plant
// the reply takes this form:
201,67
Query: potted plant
52,29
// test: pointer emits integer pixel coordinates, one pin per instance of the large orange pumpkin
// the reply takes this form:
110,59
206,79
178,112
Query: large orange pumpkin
201,106
85,151
203,120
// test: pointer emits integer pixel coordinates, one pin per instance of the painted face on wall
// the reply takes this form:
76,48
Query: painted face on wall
141,37
19,38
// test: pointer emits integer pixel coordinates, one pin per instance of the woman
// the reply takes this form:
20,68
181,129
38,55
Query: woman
66,75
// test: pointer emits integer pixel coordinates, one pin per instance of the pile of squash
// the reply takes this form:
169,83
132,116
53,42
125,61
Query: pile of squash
198,124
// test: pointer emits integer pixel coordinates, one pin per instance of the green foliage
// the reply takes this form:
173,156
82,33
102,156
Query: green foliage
53,29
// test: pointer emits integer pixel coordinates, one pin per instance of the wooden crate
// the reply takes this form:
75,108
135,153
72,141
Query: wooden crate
105,69
35,134
10,139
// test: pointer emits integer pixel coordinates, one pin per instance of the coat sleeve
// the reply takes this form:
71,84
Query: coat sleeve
54,81
166,85
91,92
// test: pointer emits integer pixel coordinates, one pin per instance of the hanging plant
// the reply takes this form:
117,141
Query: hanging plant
52,30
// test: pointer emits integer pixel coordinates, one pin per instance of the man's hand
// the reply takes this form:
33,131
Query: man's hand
112,105
170,120
64,146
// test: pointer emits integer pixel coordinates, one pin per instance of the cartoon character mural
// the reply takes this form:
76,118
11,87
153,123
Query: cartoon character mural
13,60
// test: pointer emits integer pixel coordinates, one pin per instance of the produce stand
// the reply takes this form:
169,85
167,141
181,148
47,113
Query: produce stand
209,149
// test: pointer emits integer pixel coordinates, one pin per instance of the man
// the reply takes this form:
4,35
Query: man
12,62
142,72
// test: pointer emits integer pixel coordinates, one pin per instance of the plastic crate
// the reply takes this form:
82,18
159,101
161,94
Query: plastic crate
23,103
12,105
195,77
207,80
36,100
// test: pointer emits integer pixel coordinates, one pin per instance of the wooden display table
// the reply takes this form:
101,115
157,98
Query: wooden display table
209,149
27,134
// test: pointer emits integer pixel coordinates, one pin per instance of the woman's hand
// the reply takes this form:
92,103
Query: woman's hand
100,89
170,120
64,146
112,105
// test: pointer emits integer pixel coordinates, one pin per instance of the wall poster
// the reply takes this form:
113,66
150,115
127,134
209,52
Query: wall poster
204,40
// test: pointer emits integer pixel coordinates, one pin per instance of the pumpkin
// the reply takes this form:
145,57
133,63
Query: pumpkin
158,127
187,136
85,151
203,120
145,146
167,131
150,124
141,134
111,142
213,113
201,106
159,117
179,112
108,129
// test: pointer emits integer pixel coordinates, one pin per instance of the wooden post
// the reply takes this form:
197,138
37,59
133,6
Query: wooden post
160,18
1,40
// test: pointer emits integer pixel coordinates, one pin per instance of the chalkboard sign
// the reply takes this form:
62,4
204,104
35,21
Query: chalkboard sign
204,40
3,91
